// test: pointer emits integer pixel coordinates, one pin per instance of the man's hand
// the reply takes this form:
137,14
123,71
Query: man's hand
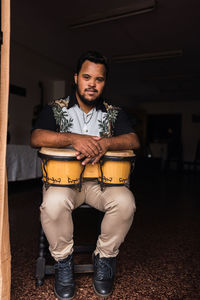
86,146
104,145
121,142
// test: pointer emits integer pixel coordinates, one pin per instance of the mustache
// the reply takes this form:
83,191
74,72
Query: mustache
91,90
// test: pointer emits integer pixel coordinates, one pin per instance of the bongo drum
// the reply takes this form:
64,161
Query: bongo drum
115,167
60,167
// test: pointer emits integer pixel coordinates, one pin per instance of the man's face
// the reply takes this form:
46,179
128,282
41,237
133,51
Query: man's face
90,82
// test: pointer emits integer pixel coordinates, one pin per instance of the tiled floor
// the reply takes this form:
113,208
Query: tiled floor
160,258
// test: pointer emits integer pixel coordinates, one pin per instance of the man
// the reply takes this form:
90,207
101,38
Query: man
92,127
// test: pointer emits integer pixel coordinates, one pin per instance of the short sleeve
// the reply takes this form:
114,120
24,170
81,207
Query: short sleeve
123,124
46,120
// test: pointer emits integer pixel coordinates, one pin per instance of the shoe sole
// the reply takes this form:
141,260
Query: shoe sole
61,298
100,295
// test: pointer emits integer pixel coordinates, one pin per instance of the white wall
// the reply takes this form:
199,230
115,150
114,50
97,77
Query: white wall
27,69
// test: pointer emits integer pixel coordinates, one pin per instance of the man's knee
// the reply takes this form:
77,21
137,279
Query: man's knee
123,201
54,204
126,206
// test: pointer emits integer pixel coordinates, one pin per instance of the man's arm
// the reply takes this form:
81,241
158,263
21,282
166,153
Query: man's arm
48,138
127,141
85,144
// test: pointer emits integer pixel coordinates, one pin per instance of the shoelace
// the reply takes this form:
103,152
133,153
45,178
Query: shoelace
104,269
65,273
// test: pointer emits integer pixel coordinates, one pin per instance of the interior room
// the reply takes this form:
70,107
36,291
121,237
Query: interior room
153,48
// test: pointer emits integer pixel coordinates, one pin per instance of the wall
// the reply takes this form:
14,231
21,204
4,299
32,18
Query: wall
190,130
27,69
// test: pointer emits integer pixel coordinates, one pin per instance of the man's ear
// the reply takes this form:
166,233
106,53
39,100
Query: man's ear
75,78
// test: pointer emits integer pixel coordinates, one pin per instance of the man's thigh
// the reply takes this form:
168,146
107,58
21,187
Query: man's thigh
110,196
56,196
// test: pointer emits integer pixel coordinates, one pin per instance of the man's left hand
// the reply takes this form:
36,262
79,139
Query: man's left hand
104,144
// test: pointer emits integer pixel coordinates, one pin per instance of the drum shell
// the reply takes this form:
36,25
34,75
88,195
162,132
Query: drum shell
60,170
91,171
115,170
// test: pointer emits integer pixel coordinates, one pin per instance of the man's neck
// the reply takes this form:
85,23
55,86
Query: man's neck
82,105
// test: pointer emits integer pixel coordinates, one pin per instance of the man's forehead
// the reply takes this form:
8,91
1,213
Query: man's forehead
93,68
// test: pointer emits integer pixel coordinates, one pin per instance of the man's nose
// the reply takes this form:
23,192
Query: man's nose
92,83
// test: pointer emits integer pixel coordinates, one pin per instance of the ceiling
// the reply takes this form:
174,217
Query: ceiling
45,27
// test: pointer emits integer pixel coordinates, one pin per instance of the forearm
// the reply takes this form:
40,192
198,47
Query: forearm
127,141
122,142
47,138
85,144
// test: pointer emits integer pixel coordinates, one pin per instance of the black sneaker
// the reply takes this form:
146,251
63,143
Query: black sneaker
104,273
64,287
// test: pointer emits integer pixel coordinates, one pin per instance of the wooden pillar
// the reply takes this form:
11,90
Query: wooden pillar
5,273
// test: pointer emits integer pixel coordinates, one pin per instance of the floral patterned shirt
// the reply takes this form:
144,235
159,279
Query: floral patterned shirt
65,115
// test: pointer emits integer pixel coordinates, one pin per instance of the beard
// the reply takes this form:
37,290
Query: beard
86,101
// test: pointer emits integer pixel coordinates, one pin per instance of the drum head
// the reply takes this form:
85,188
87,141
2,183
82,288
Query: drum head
62,152
123,153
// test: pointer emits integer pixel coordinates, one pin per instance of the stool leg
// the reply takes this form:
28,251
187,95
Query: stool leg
41,260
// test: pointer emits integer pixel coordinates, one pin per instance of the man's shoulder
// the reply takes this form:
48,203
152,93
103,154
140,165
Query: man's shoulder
60,103
108,106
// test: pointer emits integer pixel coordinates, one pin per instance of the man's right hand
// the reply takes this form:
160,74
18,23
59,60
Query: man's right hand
87,145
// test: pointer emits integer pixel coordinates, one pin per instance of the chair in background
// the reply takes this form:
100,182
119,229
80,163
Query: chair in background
195,164
174,155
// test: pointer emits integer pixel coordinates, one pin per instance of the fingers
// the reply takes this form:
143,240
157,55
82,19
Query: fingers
86,161
86,150
80,156
97,138
89,159
97,159
87,146
96,146
89,151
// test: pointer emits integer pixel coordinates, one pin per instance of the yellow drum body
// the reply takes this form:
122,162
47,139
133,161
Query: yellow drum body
60,167
115,167
91,171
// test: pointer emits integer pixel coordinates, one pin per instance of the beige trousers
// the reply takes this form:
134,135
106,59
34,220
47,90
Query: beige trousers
118,203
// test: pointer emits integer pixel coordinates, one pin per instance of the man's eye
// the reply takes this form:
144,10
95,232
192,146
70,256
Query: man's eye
86,77
100,79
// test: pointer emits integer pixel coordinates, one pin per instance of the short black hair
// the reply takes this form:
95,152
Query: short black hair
92,56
